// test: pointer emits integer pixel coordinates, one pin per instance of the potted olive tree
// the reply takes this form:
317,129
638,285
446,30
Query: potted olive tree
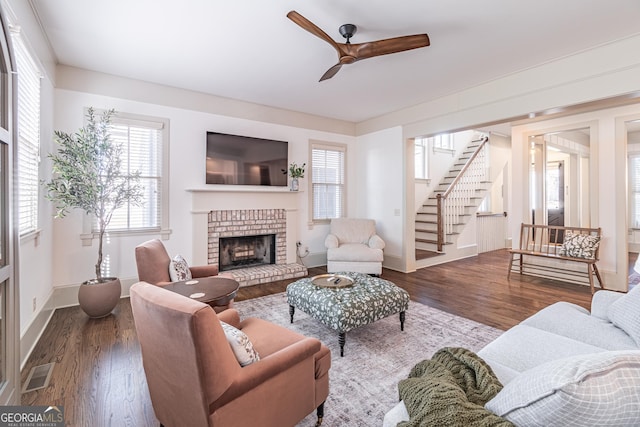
88,175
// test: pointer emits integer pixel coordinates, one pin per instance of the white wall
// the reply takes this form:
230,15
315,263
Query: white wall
379,192
73,263
35,251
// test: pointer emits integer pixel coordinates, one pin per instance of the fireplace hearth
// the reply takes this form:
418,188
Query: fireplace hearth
251,224
246,251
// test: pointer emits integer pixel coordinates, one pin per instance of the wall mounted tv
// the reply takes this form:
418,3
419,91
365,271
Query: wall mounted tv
243,160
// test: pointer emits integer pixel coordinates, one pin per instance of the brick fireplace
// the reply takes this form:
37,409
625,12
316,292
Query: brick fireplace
223,224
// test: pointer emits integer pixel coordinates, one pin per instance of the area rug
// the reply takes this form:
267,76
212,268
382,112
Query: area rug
363,384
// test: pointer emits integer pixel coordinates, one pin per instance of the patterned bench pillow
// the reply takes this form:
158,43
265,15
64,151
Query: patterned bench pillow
577,245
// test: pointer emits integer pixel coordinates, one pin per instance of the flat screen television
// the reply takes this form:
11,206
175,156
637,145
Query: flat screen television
243,160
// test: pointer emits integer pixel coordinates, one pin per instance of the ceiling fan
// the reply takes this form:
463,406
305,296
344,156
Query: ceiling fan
349,53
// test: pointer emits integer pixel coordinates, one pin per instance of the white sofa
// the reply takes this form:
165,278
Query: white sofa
353,245
567,366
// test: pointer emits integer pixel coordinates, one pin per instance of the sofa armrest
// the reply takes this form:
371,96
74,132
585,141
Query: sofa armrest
376,242
230,316
204,271
601,302
265,369
331,241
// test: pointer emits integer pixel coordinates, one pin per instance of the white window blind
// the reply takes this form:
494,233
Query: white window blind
327,181
142,150
28,136
634,189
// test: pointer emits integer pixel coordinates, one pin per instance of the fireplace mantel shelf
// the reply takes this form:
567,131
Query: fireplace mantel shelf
243,189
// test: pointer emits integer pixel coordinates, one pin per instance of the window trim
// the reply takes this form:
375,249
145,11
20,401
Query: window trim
316,144
164,230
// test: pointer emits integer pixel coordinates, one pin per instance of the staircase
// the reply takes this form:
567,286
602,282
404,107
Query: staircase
453,201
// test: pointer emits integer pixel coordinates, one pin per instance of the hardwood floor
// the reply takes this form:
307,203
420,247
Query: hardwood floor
98,376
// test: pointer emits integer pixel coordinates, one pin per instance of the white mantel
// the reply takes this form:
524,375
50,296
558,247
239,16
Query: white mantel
231,197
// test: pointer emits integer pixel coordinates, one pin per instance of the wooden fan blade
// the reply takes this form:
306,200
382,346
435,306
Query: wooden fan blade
305,24
387,46
331,72
334,70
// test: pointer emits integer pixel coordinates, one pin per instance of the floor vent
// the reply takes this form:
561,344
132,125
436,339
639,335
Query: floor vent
38,377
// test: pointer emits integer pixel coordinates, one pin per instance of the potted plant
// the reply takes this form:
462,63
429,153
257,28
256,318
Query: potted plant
88,175
295,172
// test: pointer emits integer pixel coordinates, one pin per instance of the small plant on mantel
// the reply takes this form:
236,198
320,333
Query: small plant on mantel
295,171
88,174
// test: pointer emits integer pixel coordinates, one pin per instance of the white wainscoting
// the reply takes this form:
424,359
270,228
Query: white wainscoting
491,232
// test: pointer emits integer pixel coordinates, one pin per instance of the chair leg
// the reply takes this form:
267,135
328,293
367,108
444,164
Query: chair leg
590,273
320,413
595,269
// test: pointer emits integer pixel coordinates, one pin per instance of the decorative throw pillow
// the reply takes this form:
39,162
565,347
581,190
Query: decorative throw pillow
240,344
625,314
597,389
579,245
179,269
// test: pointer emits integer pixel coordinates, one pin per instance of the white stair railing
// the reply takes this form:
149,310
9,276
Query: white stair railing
452,204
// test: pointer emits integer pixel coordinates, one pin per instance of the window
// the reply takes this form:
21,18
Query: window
634,190
444,141
144,142
327,181
28,136
420,158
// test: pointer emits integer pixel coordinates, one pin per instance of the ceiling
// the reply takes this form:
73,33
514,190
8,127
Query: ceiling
249,50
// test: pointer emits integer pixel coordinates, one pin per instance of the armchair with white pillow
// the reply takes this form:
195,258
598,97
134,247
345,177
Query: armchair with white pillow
156,267
353,245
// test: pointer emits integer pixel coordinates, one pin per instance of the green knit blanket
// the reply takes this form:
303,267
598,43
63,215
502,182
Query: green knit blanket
451,390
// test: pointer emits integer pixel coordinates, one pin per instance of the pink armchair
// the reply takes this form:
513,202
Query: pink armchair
194,378
153,262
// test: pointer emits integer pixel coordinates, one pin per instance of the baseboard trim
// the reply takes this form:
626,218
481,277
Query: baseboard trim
395,263
60,297
315,259
33,333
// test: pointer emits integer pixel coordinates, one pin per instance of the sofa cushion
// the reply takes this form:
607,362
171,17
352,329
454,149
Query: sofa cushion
353,230
601,389
602,300
524,347
355,252
179,269
240,344
579,245
573,321
625,313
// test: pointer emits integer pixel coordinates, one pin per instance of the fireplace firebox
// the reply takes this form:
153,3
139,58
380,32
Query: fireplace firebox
246,251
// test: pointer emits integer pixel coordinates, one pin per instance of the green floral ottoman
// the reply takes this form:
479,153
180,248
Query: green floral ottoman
343,309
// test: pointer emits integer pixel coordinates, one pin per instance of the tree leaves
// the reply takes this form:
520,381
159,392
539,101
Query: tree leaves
88,174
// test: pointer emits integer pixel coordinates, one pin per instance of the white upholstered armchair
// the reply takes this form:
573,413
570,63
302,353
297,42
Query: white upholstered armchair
353,245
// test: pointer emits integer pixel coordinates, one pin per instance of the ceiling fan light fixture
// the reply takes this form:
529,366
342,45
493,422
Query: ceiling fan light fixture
347,31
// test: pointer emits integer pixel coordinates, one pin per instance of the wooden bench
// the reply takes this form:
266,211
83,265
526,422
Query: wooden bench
546,241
